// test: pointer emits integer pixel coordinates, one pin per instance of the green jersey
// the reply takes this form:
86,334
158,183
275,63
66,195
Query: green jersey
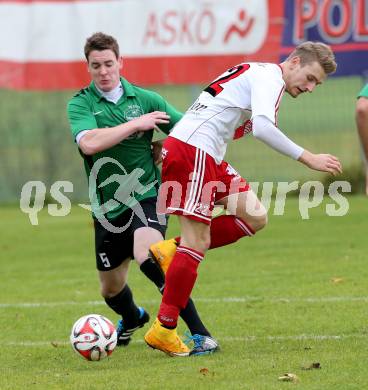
364,92
125,173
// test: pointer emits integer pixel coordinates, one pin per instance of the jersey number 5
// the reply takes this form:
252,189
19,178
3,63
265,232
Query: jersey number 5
215,88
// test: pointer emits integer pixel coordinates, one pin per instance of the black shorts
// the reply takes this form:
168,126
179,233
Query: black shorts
113,248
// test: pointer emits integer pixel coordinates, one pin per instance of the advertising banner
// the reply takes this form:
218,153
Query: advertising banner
342,24
186,41
171,42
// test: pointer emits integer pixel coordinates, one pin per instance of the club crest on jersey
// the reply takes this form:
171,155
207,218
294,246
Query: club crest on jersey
133,111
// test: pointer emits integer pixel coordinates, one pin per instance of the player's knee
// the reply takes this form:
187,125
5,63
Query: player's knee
141,255
205,242
109,291
259,222
200,242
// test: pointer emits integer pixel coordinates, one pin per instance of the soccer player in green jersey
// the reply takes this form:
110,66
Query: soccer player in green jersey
113,121
361,117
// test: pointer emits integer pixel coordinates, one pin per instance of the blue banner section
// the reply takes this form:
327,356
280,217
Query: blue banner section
342,24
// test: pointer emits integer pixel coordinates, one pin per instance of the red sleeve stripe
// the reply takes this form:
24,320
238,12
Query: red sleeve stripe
277,105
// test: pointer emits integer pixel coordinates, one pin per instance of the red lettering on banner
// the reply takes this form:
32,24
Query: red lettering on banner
202,38
169,28
185,29
174,27
152,29
336,20
241,28
343,26
361,17
305,15
162,26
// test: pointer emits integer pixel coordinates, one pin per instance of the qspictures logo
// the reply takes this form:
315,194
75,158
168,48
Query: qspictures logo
128,189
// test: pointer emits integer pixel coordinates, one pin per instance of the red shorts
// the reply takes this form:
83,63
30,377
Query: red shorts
192,182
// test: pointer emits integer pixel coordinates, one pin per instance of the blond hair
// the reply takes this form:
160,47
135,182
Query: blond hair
315,52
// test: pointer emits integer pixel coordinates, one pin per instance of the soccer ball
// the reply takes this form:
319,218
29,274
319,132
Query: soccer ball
93,337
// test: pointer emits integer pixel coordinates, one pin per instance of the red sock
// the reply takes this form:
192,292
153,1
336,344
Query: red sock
180,279
225,230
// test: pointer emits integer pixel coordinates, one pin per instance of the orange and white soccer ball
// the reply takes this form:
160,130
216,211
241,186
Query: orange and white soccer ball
93,337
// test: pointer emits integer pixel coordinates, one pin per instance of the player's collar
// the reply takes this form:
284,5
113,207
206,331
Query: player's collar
126,86
114,95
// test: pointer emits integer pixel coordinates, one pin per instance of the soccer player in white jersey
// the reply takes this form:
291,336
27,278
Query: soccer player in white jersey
195,177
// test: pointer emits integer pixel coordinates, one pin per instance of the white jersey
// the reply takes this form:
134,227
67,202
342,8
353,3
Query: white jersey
224,110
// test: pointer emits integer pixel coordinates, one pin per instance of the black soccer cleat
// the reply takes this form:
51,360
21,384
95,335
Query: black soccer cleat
125,335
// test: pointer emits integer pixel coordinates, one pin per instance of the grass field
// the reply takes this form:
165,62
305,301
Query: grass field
293,295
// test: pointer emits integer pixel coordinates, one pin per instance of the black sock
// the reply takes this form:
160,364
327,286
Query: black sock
153,272
124,305
191,318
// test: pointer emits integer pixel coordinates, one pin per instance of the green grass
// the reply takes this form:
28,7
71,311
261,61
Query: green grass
272,301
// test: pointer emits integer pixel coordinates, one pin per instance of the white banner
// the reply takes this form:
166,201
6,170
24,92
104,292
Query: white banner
56,31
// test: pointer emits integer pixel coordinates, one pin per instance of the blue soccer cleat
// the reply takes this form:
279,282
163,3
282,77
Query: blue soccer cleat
203,345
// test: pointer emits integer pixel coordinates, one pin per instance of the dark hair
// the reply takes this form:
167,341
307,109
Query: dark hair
100,41
315,51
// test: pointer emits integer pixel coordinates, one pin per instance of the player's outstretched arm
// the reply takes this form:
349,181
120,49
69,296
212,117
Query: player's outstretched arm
100,139
321,162
267,132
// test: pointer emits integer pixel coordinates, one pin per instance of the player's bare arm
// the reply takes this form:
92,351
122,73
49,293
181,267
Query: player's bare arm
98,140
321,162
